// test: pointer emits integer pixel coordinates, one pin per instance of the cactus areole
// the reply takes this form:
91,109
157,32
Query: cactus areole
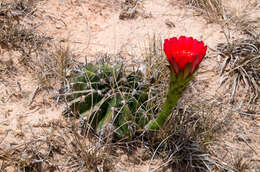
184,55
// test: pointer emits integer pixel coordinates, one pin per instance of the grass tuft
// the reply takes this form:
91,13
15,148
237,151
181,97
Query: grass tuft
240,164
241,66
38,53
60,149
53,65
13,34
212,9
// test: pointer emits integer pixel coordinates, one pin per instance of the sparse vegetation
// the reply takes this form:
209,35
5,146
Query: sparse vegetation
61,148
14,35
245,21
216,12
37,52
105,94
241,66
53,65
187,140
213,10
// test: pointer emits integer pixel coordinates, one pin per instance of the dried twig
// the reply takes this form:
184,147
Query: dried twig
33,95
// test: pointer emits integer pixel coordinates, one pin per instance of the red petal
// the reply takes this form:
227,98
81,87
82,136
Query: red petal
181,51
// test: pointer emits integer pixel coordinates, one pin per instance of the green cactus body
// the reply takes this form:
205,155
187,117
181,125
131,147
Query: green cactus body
109,114
103,93
123,119
95,113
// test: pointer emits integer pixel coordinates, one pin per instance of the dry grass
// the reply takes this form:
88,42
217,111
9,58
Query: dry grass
241,66
240,164
245,18
13,34
38,53
215,11
212,10
183,141
156,71
51,66
61,148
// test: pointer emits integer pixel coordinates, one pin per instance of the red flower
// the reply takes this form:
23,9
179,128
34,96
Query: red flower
183,51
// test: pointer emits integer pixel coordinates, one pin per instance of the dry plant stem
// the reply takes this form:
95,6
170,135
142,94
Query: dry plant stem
177,86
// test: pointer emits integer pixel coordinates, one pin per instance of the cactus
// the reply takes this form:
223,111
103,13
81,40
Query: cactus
107,94
104,93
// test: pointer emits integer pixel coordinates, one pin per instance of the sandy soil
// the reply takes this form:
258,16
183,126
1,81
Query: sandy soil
94,26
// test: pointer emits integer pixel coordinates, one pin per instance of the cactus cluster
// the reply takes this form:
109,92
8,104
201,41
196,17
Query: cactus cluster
106,93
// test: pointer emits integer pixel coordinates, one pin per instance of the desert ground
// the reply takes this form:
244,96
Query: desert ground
41,38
